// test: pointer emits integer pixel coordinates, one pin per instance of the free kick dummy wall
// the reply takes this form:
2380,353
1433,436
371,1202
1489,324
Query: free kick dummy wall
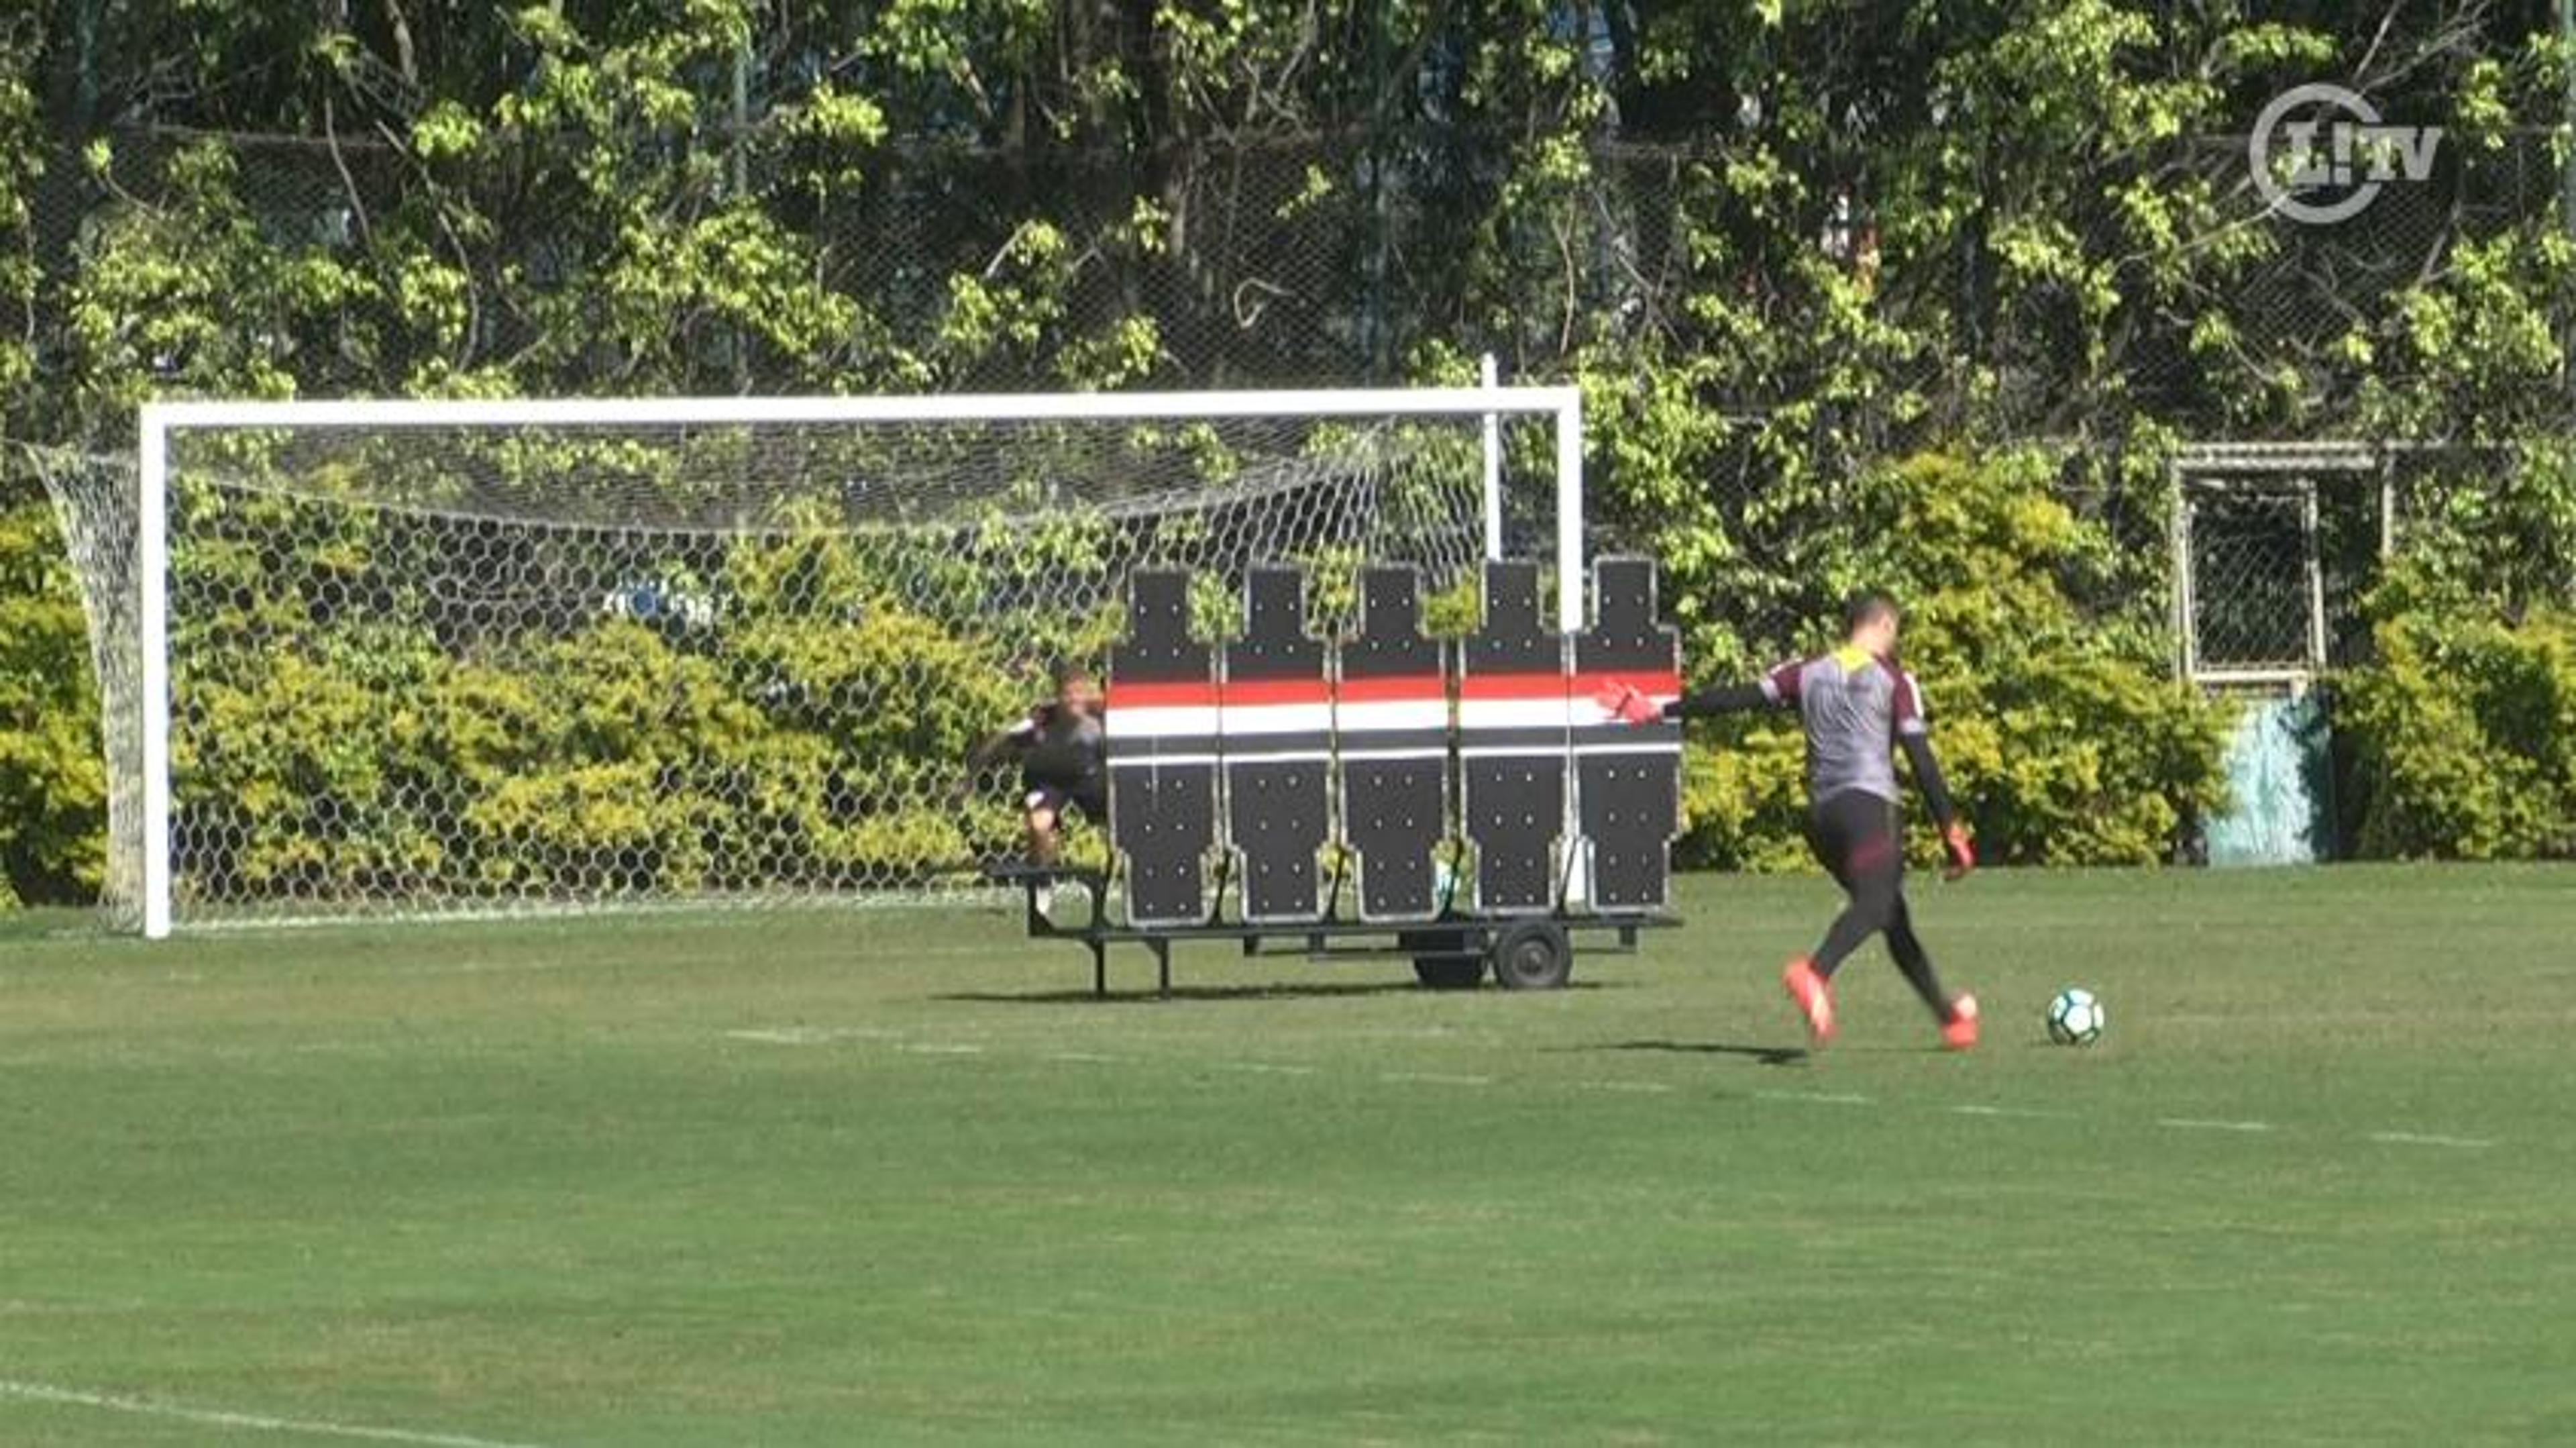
1161,728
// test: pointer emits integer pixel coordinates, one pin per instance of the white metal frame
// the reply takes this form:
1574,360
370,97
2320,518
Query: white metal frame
2293,468
1489,402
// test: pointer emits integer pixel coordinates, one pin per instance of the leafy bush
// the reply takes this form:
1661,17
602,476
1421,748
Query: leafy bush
53,784
2061,734
367,760
372,756
2463,728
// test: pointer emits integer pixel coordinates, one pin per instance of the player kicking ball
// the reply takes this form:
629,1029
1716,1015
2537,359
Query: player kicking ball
1853,702
1063,756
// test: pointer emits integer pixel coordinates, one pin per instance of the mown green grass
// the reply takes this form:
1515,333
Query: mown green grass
892,1176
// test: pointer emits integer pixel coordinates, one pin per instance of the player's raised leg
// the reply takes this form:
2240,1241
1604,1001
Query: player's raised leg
1040,825
1957,1014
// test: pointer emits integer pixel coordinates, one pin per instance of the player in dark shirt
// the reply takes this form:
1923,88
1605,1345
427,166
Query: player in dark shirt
1063,760
1855,705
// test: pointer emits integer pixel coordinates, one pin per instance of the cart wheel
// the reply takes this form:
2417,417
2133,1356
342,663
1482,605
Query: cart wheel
1445,959
1533,955
1449,972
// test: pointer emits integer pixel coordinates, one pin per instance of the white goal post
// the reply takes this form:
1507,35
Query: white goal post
346,445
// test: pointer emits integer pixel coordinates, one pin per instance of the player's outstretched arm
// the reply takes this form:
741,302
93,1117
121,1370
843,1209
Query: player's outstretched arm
1632,706
1002,741
1724,699
990,749
1775,690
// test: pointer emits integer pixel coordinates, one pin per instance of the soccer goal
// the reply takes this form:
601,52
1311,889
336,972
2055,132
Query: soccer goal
424,657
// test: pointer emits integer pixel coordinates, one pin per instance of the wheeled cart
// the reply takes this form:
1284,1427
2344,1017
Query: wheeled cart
1453,952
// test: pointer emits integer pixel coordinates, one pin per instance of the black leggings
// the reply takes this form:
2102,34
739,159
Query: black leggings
1854,836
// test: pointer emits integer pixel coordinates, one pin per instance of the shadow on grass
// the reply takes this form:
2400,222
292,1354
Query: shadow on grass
1759,1055
1214,994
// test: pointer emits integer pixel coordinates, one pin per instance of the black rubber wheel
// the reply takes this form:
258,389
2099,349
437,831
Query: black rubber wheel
1533,955
1449,972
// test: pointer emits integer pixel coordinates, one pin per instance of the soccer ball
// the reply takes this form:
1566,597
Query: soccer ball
1066,903
2075,1017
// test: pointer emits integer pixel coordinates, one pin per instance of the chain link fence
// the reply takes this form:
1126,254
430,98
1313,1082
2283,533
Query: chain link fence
1364,258
1341,260
1377,256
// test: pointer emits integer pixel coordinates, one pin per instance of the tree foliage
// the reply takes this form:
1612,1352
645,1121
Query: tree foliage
1778,243
569,197
2067,742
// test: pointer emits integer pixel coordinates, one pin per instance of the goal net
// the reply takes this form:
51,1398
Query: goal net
413,658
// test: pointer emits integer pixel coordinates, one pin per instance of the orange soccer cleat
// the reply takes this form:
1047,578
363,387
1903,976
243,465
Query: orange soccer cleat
1959,1031
1814,998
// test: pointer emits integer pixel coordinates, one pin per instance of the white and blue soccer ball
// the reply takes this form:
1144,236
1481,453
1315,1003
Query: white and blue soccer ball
1067,903
2075,1017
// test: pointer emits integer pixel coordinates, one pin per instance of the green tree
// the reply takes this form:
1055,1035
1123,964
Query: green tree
2049,236
2066,741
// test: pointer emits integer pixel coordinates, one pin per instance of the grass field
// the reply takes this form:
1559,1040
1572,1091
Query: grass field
893,1176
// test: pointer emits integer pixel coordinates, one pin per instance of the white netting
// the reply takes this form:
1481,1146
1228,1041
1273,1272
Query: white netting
423,669
2250,580
94,501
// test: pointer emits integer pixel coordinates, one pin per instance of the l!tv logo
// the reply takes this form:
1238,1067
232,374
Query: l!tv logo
2321,153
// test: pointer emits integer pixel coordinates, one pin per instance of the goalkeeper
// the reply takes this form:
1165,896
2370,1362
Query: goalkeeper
1063,761
1853,703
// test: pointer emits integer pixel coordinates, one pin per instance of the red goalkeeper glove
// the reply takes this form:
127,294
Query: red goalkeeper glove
1630,706
1963,855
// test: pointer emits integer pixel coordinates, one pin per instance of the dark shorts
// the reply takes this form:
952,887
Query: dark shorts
1090,797
1854,833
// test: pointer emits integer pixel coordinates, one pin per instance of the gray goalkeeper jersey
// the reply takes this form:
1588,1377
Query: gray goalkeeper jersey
1854,706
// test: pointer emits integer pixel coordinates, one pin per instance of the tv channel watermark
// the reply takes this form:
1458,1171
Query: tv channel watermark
2321,153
